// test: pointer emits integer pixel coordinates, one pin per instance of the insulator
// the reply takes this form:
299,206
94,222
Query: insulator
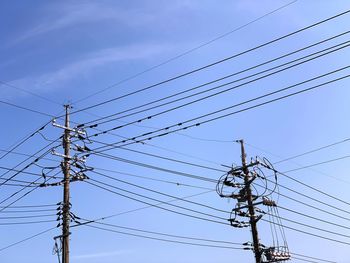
87,148
268,202
228,183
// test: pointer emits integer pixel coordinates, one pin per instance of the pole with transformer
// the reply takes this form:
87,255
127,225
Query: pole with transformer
238,183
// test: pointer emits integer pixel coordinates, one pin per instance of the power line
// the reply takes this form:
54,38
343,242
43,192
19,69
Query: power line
166,130
305,153
313,150
314,199
26,167
26,223
19,181
164,157
180,199
160,193
154,199
162,234
196,244
148,206
307,204
18,171
156,205
24,195
28,238
26,138
191,102
23,217
314,218
219,61
32,206
314,189
158,168
26,109
28,92
148,144
319,163
301,255
33,162
164,240
310,226
187,52
153,179
307,233
29,211
310,58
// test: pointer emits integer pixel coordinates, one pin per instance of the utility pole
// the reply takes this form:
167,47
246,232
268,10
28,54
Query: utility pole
238,184
74,169
66,203
252,218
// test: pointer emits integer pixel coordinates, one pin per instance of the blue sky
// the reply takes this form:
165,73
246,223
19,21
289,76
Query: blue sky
56,52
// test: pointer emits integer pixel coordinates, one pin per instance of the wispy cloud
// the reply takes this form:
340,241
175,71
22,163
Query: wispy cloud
62,16
100,254
82,67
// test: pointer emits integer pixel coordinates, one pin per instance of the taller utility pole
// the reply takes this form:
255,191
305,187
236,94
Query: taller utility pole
252,217
66,203
74,169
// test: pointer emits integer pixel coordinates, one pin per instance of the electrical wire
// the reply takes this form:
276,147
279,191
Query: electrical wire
314,218
221,116
315,189
146,207
163,234
32,206
18,171
32,156
28,92
26,109
308,233
187,52
158,168
316,164
306,225
313,150
28,238
154,199
311,206
21,197
153,179
29,211
160,193
26,138
163,239
156,205
338,47
313,199
26,223
219,61
169,159
163,157
301,255
23,217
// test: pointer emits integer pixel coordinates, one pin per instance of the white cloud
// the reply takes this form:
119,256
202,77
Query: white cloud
100,255
54,79
63,16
